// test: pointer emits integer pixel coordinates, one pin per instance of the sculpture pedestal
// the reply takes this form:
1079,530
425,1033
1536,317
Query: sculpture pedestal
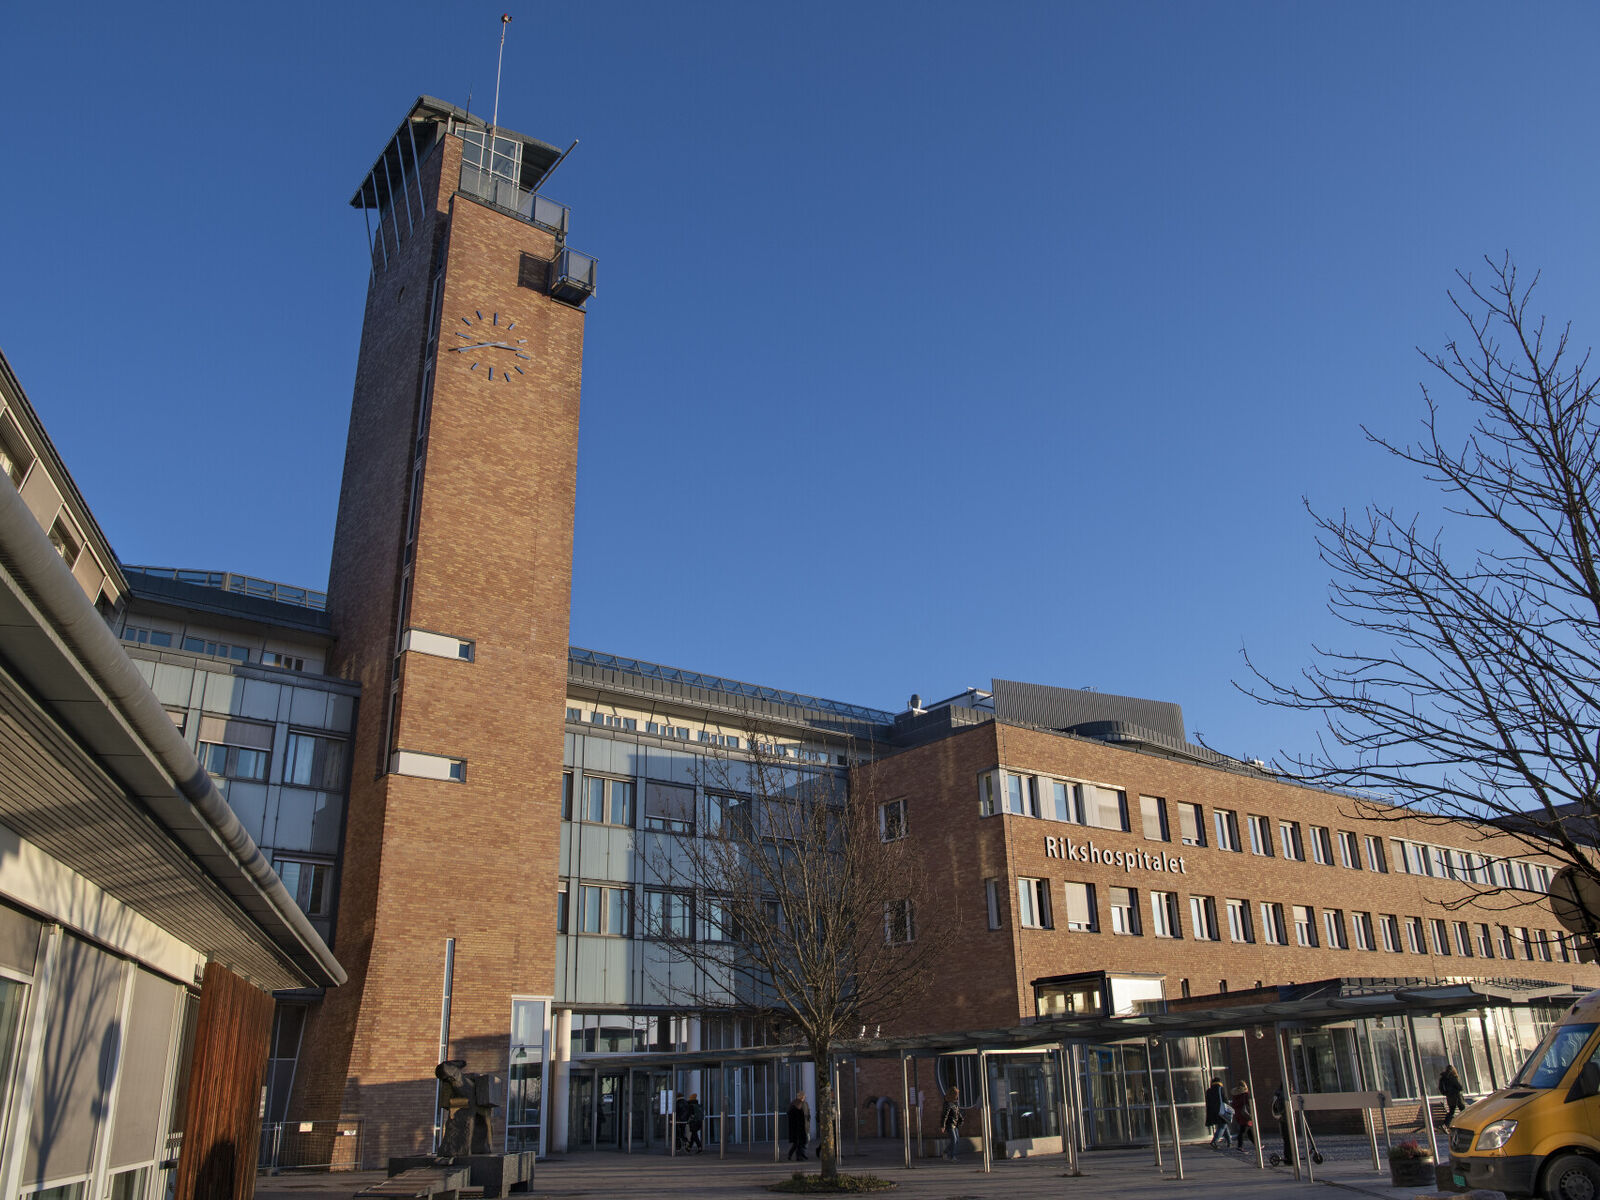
497,1174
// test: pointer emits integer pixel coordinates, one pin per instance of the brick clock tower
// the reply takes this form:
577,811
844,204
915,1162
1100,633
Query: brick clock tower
449,595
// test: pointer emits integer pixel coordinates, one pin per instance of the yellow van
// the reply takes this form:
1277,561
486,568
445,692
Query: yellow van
1540,1135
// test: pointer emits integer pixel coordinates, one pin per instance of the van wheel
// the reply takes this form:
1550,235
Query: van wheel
1572,1177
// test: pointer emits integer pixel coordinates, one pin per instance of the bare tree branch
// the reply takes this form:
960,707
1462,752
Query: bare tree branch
1472,688
815,914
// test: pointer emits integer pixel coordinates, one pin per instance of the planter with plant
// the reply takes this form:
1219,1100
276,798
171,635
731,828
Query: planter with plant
1411,1164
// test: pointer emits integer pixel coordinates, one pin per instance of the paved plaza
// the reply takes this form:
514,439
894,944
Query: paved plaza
1124,1174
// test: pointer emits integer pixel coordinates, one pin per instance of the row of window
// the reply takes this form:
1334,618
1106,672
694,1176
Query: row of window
1275,925
212,647
668,807
239,750
1102,807
670,914
726,741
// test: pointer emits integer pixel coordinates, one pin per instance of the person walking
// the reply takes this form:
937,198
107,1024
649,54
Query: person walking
695,1115
1280,1109
1216,1119
950,1121
1450,1087
1243,1116
799,1126
680,1121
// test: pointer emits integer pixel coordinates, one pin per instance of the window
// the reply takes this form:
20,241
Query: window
1125,911
1305,925
680,732
1390,925
991,895
1260,836
574,714
1153,813
289,662
1068,802
1439,862
718,739
892,821
612,721
608,801
668,807
1033,903
1349,850
1559,941
1398,855
1506,948
310,883
1463,939
216,649
314,762
1485,942
606,910
65,539
1441,936
1203,919
986,795
1527,944
1289,838
1375,856
717,922
561,906
1226,822
1191,824
1363,927
234,749
1273,931
1239,926
566,795
1416,936
668,915
1022,795
728,816
1103,807
898,925
15,457
1321,846
1164,915
146,637
1333,935
1081,914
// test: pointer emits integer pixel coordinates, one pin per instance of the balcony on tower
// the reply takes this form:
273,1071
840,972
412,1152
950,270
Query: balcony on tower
499,167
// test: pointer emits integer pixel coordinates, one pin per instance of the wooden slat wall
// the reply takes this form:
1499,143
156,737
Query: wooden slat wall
222,1123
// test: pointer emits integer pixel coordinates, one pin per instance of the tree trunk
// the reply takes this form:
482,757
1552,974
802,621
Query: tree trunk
827,1123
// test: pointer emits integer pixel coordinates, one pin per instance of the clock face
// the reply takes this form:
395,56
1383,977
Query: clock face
490,344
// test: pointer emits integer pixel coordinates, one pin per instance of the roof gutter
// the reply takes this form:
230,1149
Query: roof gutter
49,583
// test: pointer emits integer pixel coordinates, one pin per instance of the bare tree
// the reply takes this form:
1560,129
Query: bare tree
815,912
1472,690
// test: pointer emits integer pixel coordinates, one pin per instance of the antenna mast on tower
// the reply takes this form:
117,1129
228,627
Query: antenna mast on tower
494,118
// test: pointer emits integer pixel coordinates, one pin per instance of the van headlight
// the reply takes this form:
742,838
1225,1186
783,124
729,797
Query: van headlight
1496,1134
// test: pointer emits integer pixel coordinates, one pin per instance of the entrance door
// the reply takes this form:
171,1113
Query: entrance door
608,1121
580,1112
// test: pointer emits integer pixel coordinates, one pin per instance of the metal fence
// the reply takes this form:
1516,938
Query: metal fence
309,1146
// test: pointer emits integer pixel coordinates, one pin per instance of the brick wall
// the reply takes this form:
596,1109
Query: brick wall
425,859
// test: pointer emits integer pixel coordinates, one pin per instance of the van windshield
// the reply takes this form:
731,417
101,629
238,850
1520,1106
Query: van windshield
1550,1061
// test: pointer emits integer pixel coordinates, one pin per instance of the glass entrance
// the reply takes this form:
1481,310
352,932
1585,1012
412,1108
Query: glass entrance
525,1079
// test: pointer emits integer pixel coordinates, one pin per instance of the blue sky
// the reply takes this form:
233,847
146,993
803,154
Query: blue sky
933,342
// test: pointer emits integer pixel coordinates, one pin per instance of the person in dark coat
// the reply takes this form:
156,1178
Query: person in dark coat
799,1126
695,1115
950,1121
1280,1109
1243,1115
1214,1121
680,1121
1450,1087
